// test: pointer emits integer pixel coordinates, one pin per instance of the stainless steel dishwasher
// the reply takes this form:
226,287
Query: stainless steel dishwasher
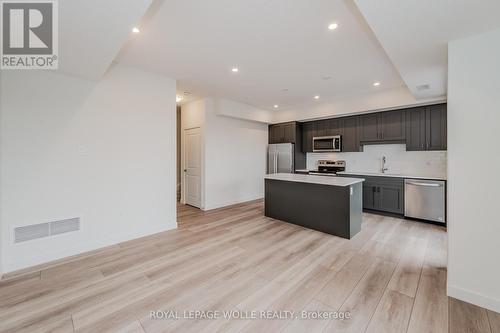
425,199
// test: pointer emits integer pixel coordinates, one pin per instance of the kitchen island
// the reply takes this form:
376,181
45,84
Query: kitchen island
332,205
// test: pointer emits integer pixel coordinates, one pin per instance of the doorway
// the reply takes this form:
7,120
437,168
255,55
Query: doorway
192,167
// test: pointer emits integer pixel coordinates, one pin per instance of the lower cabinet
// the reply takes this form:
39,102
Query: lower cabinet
385,194
369,190
391,198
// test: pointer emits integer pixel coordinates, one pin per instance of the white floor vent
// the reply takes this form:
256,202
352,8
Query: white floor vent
35,231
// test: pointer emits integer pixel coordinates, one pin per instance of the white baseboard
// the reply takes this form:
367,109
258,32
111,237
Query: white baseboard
474,298
231,202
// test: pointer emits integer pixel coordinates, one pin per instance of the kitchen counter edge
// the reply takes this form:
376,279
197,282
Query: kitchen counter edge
314,179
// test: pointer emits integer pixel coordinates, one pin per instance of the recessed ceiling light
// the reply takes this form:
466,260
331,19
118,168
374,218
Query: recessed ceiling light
276,106
178,98
235,70
376,84
316,97
333,26
136,30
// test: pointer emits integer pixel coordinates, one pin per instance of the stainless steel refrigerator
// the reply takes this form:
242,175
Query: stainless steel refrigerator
280,158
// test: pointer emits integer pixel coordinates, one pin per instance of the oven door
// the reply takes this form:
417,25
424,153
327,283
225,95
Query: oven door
326,143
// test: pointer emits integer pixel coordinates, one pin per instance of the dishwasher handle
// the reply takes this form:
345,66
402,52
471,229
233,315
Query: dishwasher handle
424,184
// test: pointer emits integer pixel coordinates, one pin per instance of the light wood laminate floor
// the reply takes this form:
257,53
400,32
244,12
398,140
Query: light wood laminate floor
391,277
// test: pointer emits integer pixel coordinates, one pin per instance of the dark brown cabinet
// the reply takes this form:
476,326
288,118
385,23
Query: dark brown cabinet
335,126
436,127
392,125
350,136
308,132
282,133
384,194
415,129
421,128
321,128
390,198
369,190
426,128
369,127
386,126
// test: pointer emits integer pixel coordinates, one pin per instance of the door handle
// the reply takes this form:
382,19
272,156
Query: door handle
185,170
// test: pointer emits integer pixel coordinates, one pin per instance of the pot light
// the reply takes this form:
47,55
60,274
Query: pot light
316,97
235,70
136,30
276,106
178,98
333,26
376,84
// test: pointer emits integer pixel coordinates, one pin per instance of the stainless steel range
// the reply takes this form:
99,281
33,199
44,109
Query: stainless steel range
329,168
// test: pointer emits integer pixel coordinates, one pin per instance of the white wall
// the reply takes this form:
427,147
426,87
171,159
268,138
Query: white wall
102,151
234,151
399,161
377,100
473,169
236,155
238,110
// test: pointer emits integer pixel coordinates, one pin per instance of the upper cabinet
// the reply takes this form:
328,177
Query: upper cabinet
426,128
382,127
393,125
282,133
308,132
350,135
369,125
415,129
436,127
421,128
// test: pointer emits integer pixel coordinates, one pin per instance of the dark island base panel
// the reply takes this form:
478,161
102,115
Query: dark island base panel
329,209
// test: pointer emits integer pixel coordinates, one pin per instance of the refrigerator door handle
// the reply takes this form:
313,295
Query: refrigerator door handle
276,159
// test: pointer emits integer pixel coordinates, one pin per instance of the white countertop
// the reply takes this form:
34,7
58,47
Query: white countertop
313,179
375,174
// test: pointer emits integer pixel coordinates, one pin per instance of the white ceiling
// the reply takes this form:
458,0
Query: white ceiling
91,33
415,33
276,44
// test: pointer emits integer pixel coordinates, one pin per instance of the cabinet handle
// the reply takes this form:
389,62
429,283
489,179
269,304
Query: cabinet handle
373,196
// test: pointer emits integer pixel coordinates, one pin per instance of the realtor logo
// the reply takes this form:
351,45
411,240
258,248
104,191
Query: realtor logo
29,34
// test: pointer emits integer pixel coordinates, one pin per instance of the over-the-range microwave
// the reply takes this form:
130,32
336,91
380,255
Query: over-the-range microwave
327,143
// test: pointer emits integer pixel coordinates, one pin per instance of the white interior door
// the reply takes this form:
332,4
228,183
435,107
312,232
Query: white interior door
192,167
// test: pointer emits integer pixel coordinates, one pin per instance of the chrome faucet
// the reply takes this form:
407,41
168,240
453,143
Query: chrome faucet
384,168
